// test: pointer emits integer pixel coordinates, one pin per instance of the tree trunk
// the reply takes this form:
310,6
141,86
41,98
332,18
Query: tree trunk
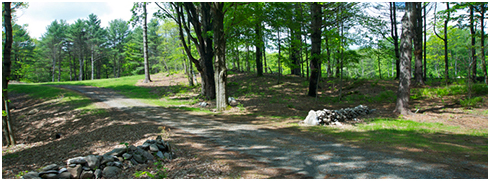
446,55
258,49
60,58
403,93
473,49
279,67
416,18
316,46
220,60
482,41
54,65
248,61
264,55
7,63
425,43
145,46
80,59
394,35
92,62
329,64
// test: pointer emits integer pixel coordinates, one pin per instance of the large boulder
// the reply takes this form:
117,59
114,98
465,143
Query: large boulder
77,160
110,172
117,152
92,161
87,174
311,119
31,175
49,167
75,171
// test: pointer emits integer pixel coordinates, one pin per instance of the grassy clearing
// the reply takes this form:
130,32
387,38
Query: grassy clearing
398,135
56,95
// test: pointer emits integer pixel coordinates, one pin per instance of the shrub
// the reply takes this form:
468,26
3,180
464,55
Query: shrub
473,102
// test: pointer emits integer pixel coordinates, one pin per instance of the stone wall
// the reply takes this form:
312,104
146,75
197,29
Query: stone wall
334,117
108,165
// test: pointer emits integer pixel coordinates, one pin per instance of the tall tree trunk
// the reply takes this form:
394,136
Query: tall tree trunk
115,66
279,67
425,41
329,64
264,55
446,55
7,63
145,46
403,93
80,59
416,18
60,58
258,49
394,35
316,46
248,61
92,62
220,60
473,49
54,65
482,41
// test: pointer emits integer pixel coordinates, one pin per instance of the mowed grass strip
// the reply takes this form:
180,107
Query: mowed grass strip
47,93
430,141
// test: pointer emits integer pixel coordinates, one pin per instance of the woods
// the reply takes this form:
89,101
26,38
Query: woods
315,41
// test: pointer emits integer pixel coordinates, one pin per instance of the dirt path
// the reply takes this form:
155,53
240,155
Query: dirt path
314,159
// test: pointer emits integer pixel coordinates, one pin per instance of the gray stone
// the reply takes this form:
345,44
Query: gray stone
72,165
110,172
75,171
50,176
64,175
77,160
121,159
107,158
147,155
203,104
31,175
92,161
145,146
139,158
33,111
167,155
159,139
117,151
167,145
153,147
87,174
48,172
98,174
86,168
133,161
127,156
118,164
110,164
62,170
132,148
161,147
160,155
50,167
311,119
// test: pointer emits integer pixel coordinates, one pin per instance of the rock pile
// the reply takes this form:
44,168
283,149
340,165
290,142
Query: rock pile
108,165
327,117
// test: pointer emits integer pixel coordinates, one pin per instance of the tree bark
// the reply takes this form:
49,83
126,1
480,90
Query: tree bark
473,49
394,35
482,40
145,46
7,63
425,43
403,93
316,45
258,49
220,50
416,18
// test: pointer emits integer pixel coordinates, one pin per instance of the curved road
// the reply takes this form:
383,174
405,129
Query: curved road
314,159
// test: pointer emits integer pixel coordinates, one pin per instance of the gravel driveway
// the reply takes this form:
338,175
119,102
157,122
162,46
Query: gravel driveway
314,159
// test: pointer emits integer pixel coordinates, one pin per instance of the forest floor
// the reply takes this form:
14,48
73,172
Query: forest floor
264,104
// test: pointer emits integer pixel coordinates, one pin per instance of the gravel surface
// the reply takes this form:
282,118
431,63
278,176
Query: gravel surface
314,159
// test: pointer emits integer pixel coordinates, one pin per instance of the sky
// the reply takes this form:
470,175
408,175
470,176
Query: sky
40,14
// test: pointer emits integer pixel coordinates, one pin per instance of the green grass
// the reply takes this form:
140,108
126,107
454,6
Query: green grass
47,93
473,102
455,89
397,134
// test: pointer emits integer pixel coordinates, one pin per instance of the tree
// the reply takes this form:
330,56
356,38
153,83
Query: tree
135,19
445,40
202,26
483,9
7,47
94,37
220,50
473,49
117,34
316,46
403,93
416,18
394,35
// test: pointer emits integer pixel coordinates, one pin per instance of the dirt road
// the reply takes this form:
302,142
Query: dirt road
312,158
